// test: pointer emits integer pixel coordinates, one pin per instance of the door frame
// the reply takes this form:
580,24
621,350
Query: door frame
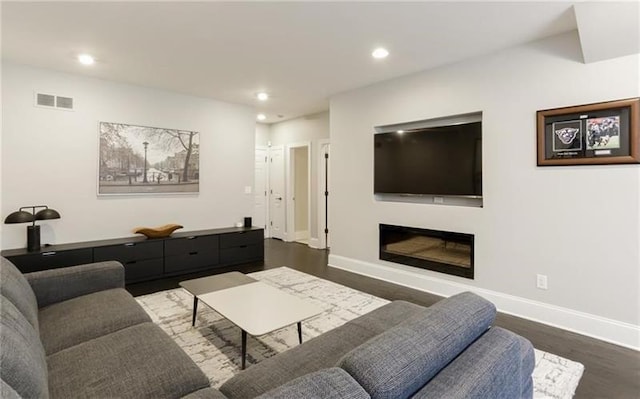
290,232
320,214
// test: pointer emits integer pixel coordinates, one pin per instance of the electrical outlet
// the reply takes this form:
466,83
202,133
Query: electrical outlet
541,281
438,200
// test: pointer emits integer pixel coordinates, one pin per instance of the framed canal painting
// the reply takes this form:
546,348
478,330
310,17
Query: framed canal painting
593,134
147,160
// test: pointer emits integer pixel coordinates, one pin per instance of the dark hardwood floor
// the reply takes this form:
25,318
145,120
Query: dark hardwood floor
611,371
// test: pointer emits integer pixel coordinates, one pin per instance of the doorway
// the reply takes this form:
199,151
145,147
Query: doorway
299,198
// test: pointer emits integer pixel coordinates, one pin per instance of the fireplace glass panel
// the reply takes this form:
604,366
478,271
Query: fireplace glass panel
441,251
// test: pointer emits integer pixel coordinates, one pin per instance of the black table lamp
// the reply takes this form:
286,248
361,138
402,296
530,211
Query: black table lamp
33,231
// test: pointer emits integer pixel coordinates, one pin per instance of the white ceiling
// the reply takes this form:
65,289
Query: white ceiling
300,52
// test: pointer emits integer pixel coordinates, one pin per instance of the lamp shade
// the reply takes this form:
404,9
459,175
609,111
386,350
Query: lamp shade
20,217
47,214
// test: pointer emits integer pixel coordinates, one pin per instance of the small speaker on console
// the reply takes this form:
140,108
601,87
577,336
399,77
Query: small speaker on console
247,222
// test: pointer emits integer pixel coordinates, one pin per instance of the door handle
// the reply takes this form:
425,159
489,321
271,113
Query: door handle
279,198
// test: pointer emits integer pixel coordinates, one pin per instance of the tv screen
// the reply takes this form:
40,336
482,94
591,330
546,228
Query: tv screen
444,160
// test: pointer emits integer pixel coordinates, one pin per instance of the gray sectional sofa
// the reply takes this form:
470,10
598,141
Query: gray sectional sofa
75,332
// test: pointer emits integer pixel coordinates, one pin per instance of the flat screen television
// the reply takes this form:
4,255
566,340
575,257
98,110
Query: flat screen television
441,161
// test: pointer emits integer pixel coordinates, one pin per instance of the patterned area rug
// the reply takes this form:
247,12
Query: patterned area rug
214,343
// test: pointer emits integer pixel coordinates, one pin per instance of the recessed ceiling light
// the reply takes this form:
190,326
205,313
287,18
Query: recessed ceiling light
261,117
400,131
380,53
262,96
86,59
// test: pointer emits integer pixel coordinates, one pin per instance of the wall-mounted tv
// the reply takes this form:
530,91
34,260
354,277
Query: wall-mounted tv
440,161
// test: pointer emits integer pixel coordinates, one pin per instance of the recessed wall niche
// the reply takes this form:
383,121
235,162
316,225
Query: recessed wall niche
434,161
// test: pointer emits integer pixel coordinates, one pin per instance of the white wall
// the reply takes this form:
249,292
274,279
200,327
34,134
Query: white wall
579,225
50,157
262,135
310,128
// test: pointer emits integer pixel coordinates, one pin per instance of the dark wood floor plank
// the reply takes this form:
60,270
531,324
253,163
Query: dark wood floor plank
611,371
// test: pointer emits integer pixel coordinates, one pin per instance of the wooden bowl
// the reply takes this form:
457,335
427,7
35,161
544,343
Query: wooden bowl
158,232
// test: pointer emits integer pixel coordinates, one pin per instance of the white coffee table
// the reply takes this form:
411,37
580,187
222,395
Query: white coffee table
258,309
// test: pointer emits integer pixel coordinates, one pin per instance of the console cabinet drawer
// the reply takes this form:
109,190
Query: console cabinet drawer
189,245
241,254
231,240
137,270
52,260
129,252
190,261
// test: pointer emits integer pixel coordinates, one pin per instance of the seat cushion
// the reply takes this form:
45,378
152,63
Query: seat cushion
317,353
497,365
15,287
398,362
332,383
137,362
206,393
80,319
23,367
6,392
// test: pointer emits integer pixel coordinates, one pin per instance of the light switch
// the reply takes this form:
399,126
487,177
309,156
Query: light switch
247,189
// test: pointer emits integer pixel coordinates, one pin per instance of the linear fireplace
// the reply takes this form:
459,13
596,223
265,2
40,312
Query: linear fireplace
440,251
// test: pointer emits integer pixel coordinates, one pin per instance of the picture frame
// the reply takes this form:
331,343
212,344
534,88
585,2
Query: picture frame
139,160
593,134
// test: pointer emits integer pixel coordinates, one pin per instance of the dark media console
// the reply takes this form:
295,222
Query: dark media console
147,259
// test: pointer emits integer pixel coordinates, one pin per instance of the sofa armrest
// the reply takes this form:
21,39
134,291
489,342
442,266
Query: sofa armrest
57,285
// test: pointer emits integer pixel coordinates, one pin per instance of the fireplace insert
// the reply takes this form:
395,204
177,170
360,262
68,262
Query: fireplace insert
440,251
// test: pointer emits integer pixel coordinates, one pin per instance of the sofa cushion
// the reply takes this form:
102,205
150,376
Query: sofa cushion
498,365
332,383
80,319
23,365
136,362
317,353
206,393
398,362
6,392
17,290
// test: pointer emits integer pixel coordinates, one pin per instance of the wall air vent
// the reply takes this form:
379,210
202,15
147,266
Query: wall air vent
64,102
45,100
54,102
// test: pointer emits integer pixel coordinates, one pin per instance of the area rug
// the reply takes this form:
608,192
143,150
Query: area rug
214,343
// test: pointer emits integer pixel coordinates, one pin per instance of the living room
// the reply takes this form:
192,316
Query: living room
578,226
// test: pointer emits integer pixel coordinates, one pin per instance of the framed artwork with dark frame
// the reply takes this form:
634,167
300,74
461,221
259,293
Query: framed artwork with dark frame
136,160
593,134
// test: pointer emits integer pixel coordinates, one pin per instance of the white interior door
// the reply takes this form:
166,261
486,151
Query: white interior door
260,189
277,209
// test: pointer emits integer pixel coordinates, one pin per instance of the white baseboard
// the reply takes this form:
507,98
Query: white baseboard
613,331
314,243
